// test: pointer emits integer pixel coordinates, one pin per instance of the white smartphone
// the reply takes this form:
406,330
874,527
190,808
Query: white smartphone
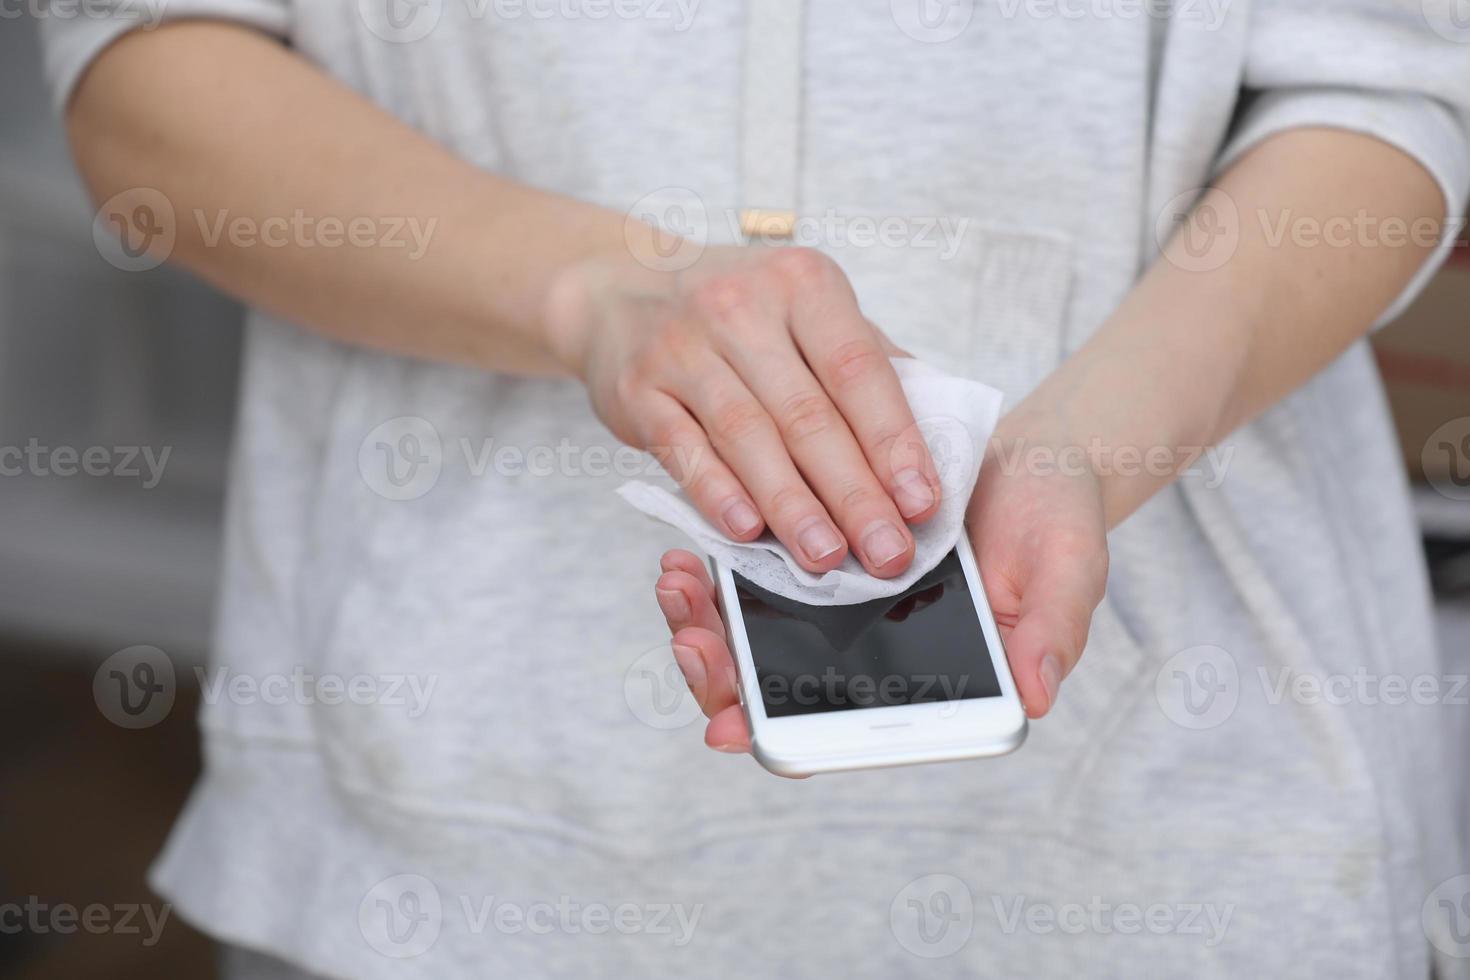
918,677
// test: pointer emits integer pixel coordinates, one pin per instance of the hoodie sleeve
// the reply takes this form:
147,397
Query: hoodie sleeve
1398,70
73,34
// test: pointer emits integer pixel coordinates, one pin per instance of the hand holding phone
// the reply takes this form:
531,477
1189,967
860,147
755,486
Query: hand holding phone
1040,548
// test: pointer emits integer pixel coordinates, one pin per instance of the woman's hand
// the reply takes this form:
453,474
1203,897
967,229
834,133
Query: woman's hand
761,387
1040,542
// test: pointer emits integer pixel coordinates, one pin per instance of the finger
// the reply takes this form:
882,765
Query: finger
683,449
705,659
727,731
827,454
685,602
850,358
679,560
1057,602
746,438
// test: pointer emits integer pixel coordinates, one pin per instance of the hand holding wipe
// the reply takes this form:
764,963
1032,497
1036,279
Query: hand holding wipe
955,417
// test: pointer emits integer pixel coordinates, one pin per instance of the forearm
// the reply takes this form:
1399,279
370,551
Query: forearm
237,131
1192,353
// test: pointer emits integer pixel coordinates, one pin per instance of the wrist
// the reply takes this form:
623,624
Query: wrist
567,314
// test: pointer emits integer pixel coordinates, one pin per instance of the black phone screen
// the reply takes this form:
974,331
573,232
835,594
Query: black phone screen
922,646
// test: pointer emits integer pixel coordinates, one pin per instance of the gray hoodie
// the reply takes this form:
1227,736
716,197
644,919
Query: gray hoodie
542,805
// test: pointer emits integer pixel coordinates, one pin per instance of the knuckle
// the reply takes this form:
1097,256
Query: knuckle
740,419
854,361
703,483
860,496
790,502
666,442
806,414
802,268
722,298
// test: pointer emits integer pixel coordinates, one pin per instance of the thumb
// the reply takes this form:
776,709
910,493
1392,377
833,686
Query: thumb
1057,603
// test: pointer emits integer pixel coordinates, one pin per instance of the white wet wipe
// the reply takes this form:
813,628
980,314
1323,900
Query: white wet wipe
954,415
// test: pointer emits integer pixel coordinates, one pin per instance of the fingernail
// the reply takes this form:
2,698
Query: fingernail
740,517
673,603
883,543
692,664
911,492
818,540
730,747
1051,678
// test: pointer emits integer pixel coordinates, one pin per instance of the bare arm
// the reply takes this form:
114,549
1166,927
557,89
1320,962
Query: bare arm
1204,344
1188,356
221,119
752,375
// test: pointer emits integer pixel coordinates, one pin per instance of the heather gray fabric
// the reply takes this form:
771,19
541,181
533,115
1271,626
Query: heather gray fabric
548,814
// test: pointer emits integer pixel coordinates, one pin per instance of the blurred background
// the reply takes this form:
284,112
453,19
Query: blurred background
121,367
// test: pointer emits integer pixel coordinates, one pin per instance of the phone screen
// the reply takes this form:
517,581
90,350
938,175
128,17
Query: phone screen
922,646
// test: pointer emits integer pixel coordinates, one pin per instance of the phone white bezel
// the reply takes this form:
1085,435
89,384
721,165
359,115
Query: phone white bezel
894,735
